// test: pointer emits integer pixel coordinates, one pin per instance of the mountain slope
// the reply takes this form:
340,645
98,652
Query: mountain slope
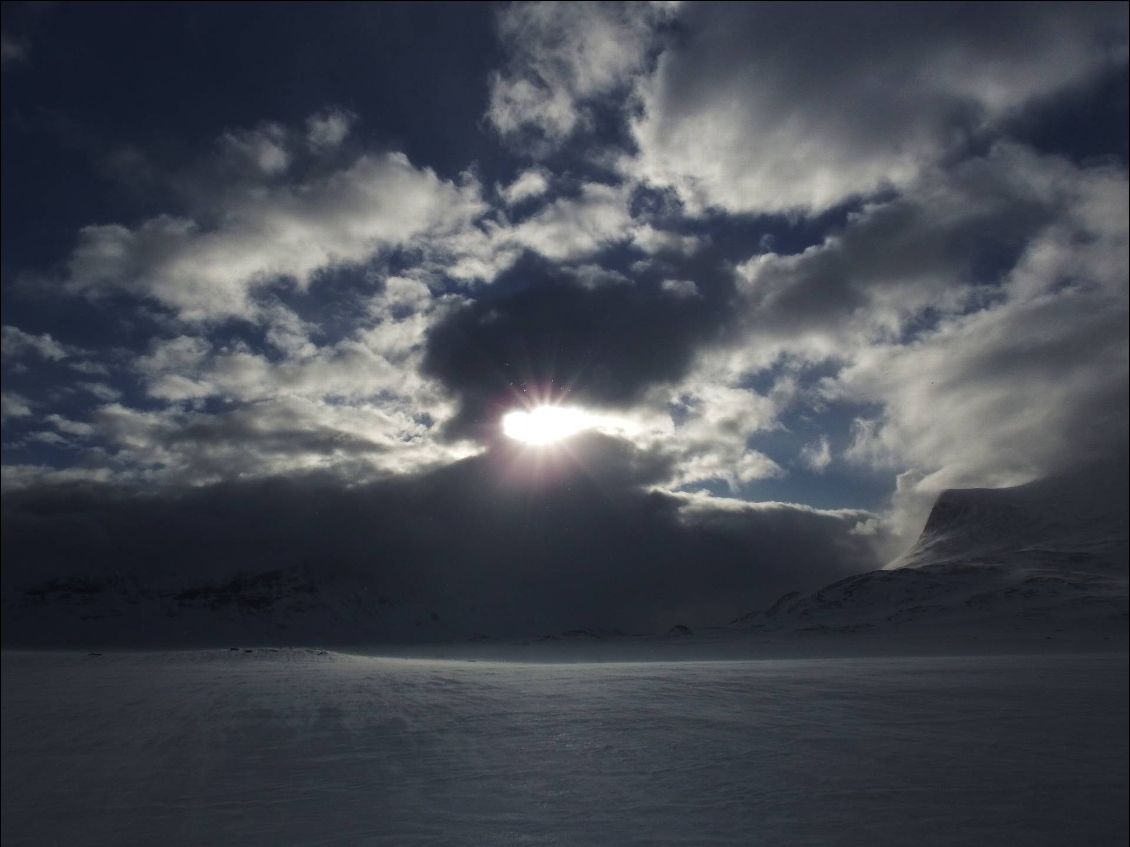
1077,522
1046,556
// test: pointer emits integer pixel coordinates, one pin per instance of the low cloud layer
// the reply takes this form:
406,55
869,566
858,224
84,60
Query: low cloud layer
496,544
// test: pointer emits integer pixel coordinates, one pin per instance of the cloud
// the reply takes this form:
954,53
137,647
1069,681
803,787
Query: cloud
764,108
358,408
703,424
992,291
15,343
680,287
562,57
1001,397
11,50
210,267
573,227
594,276
262,148
651,240
13,406
817,455
101,391
1022,380
567,229
326,130
941,248
495,543
602,345
363,365
275,401
530,183
388,315
735,467
279,434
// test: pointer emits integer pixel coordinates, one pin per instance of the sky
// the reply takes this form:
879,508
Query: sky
273,275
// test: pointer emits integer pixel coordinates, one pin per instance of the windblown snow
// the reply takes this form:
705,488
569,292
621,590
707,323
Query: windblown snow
303,747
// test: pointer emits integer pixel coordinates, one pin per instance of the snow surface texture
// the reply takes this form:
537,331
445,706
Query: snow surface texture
301,747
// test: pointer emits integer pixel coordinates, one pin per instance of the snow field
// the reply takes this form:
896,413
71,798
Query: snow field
299,747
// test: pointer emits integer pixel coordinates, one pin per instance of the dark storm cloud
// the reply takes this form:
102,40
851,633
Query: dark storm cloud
503,543
546,336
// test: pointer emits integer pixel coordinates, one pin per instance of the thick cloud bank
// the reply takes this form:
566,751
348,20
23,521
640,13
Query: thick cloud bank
507,543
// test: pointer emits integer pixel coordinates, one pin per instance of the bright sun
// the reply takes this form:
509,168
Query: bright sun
545,424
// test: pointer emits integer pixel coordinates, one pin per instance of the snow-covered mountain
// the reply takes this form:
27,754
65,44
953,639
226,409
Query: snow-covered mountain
1046,556
1076,521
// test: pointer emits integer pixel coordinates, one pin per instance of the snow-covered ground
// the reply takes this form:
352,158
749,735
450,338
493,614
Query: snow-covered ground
295,746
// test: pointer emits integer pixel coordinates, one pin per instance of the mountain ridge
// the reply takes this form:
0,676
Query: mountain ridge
1049,555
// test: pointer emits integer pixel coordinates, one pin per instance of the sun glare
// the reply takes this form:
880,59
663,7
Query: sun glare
545,424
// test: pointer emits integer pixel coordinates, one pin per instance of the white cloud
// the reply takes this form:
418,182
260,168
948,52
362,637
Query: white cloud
568,229
940,247
735,468
592,277
15,343
263,148
703,502
268,232
370,362
530,183
101,391
976,366
779,108
358,407
69,426
982,313
651,241
706,439
278,435
326,130
572,227
404,294
13,406
564,55
817,455
1031,383
680,287
17,476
